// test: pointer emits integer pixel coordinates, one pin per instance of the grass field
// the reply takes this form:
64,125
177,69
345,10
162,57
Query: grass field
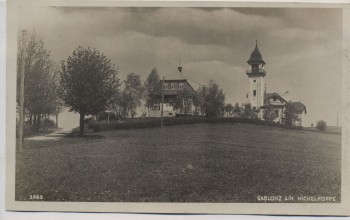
185,163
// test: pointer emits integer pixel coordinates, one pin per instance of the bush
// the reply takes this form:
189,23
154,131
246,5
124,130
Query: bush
321,125
155,122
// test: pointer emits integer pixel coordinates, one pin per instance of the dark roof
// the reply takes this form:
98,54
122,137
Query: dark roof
255,56
175,80
298,106
273,95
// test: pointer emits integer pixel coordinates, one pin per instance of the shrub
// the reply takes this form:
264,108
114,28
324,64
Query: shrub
155,122
321,125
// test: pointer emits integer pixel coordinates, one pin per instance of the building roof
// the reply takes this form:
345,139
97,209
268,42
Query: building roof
273,95
255,56
298,107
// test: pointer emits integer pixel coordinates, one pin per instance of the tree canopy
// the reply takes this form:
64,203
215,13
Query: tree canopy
153,88
130,97
88,82
40,81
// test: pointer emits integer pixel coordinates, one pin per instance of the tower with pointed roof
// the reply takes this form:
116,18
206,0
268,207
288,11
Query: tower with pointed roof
256,74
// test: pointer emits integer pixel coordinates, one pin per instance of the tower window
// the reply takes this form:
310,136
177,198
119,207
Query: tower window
254,92
254,80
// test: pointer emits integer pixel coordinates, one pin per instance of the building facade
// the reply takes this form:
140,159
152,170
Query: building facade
177,102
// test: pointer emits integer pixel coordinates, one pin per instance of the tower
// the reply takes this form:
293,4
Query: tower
256,74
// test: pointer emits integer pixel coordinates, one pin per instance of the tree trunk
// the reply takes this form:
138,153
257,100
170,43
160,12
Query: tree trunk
81,123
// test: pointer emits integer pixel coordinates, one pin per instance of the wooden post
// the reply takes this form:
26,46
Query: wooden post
161,110
21,94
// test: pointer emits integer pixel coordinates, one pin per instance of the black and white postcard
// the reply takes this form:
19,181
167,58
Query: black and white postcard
178,107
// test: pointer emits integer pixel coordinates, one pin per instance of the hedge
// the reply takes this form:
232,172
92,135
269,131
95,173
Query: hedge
155,122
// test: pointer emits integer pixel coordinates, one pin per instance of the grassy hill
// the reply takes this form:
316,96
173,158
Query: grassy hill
185,163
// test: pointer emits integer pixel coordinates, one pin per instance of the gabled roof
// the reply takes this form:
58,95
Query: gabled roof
298,107
273,95
255,56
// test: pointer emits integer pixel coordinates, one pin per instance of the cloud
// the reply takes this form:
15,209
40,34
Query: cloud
302,47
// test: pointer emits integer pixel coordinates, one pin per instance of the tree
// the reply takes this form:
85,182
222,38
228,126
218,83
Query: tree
289,115
237,111
214,100
321,125
88,82
229,109
248,112
40,81
196,100
184,100
130,98
269,113
153,89
201,100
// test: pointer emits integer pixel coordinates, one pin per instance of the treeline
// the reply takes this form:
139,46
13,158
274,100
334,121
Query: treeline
87,83
41,99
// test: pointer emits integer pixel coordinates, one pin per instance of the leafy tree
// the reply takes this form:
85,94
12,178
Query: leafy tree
321,125
184,100
214,100
289,115
201,100
130,98
153,88
196,100
88,82
237,111
248,112
40,81
229,109
269,113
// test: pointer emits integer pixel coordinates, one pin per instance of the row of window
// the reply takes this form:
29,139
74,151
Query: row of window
174,85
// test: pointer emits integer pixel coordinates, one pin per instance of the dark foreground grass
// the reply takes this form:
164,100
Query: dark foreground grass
185,163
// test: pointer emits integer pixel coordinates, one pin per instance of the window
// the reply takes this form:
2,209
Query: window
274,99
254,92
166,86
172,85
181,85
254,80
277,113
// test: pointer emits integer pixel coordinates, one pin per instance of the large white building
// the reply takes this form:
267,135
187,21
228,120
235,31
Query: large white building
262,101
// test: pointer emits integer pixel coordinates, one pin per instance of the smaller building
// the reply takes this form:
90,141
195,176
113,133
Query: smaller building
300,110
275,103
175,101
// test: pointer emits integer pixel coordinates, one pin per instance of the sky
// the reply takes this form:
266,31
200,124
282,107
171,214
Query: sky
302,48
